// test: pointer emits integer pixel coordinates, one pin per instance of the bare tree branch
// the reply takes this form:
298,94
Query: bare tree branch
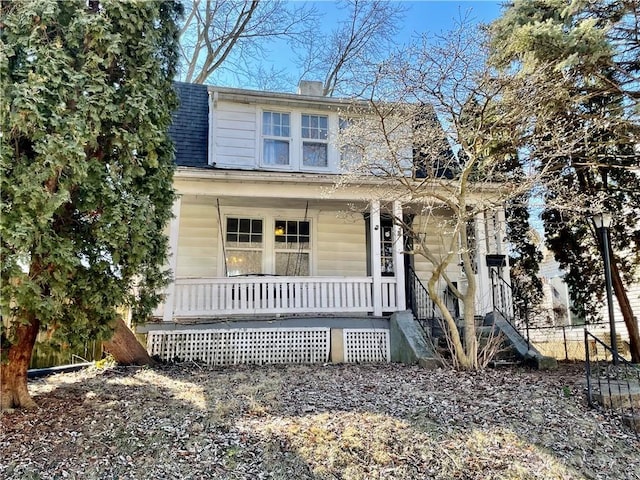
355,44
227,35
439,134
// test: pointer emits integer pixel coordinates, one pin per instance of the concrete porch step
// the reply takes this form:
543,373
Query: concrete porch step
621,395
505,363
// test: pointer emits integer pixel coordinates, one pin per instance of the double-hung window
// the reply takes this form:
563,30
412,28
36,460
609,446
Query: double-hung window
276,138
315,129
292,247
274,245
244,246
350,154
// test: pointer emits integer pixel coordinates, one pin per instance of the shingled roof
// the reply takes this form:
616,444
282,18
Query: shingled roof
190,127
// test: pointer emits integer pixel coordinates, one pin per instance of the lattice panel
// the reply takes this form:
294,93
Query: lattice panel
366,345
231,347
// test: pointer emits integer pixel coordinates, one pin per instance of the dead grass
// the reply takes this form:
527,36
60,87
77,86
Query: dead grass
314,422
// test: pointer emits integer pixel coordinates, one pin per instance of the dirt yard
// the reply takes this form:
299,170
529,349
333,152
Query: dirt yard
314,422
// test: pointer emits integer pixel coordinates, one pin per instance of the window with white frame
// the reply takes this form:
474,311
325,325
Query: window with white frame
276,133
349,152
292,247
268,245
244,246
314,132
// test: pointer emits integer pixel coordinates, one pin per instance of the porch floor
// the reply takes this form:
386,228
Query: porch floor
267,321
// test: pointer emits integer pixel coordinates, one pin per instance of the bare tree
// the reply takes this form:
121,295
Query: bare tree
227,35
363,38
437,133
230,38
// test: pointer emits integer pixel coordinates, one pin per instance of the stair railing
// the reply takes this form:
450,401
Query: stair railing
615,387
419,302
503,295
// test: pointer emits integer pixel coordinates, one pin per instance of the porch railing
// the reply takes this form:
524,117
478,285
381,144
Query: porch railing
419,302
505,302
201,297
612,385
424,309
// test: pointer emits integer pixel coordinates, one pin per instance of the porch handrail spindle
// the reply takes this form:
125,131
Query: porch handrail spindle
200,297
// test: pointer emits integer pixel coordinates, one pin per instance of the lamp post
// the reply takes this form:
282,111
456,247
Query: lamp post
602,222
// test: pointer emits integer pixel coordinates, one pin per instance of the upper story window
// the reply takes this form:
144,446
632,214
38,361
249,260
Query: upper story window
276,132
349,153
315,132
297,140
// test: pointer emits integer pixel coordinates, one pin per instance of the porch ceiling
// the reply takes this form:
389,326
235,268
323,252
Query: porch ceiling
284,186
267,185
294,204
274,203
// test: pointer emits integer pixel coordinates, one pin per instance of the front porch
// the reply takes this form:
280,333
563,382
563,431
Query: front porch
238,255
278,250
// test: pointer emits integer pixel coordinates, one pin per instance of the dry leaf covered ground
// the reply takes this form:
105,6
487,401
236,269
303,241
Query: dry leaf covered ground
314,422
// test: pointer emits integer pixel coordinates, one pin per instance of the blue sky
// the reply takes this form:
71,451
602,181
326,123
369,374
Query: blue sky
437,16
422,16
427,16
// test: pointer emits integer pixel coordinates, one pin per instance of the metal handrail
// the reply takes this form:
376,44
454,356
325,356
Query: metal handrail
419,301
518,315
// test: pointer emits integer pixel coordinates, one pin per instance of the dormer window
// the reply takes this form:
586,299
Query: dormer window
315,129
296,141
276,133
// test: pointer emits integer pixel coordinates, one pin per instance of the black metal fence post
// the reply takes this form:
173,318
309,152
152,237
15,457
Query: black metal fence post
588,367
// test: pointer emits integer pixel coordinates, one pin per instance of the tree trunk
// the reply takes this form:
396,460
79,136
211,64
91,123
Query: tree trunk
470,337
627,312
13,371
125,348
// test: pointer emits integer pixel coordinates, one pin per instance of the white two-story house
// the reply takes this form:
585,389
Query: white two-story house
271,262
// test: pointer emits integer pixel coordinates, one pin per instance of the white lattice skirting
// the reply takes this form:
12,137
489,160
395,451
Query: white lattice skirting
366,345
231,347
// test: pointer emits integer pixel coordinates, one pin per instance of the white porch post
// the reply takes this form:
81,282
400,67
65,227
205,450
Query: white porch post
398,256
376,268
483,283
501,240
174,230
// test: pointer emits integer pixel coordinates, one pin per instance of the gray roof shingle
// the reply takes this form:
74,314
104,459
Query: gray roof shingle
190,126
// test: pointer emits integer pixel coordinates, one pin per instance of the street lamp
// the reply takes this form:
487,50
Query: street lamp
602,222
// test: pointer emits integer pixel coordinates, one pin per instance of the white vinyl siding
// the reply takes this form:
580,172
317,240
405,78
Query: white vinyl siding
633,291
341,245
252,137
235,131
438,241
198,239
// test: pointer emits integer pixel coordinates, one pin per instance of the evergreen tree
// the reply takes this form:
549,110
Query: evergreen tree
87,170
586,49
